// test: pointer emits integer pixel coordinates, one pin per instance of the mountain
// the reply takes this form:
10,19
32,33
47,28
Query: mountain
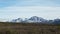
56,21
32,19
17,20
35,19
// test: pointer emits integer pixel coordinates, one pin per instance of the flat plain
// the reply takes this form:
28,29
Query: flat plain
28,28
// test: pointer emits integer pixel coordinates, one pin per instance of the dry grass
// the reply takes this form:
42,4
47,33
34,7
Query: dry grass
28,28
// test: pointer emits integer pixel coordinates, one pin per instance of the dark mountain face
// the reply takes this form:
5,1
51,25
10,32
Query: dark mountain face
37,19
56,21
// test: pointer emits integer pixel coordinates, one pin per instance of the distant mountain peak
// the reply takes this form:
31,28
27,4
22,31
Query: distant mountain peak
36,19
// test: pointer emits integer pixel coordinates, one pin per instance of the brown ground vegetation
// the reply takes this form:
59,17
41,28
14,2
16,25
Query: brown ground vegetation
28,28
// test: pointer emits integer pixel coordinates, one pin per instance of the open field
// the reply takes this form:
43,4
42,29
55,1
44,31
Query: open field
28,28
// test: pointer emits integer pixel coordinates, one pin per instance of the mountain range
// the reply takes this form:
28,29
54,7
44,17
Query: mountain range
35,19
32,19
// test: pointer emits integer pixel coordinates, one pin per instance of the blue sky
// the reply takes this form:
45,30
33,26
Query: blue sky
48,9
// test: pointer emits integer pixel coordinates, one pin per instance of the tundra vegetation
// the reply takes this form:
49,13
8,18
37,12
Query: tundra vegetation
28,28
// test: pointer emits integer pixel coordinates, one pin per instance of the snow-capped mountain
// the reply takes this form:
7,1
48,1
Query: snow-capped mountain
32,19
17,20
35,19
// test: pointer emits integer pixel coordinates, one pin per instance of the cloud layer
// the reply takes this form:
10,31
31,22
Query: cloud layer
31,11
48,9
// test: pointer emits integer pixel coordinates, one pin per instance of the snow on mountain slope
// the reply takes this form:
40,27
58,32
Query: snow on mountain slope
36,19
17,20
32,19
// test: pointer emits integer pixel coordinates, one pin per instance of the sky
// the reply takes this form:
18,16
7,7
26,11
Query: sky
48,9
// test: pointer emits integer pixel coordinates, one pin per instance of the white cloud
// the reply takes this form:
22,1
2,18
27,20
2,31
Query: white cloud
31,9
26,11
